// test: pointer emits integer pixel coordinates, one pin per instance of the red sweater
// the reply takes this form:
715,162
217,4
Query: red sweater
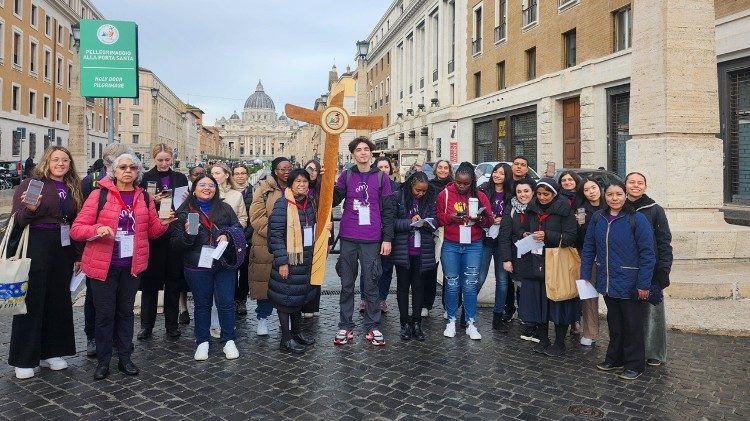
446,208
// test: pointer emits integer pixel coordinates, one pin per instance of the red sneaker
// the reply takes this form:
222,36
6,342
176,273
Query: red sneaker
375,338
343,336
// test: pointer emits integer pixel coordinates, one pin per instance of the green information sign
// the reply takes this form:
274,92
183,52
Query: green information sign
109,59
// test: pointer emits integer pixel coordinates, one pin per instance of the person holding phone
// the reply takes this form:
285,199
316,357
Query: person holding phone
119,229
45,334
207,278
620,242
165,267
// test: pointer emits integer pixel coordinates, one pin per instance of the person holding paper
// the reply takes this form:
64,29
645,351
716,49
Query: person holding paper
165,268
116,256
44,334
620,242
498,191
589,200
413,249
291,230
461,253
203,272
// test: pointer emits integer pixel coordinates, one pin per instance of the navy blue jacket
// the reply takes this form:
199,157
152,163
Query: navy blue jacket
662,236
295,290
403,229
624,257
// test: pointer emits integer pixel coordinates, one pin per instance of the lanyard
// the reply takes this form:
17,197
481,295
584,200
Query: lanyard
302,208
205,222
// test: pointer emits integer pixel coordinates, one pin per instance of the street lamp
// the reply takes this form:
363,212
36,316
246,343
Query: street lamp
154,117
362,49
75,29
154,93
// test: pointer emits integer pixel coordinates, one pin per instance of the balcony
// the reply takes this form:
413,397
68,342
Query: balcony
530,13
451,66
500,32
435,75
476,46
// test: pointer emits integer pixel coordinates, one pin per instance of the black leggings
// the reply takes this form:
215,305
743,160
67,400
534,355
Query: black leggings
286,333
405,278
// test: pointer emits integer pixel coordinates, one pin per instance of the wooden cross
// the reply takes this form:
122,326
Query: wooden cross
334,120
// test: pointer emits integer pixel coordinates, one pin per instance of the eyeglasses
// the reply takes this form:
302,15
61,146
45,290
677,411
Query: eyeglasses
206,186
285,170
127,167
60,160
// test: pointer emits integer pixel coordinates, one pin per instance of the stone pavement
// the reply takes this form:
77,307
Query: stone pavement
439,379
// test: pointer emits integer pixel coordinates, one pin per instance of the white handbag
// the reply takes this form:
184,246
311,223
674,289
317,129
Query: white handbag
14,273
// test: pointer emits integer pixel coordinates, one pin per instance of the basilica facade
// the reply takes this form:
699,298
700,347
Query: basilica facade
259,133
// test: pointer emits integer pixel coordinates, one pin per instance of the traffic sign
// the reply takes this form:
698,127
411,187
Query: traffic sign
109,59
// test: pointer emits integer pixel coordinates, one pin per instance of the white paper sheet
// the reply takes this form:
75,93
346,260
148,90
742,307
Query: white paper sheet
464,232
364,215
494,231
528,244
586,290
75,281
206,259
219,250
179,196
430,221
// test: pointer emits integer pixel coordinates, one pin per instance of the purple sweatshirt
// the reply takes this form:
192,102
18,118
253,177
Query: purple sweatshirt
363,188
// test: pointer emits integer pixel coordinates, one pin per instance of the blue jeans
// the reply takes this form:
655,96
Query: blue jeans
264,309
204,286
501,276
461,269
384,284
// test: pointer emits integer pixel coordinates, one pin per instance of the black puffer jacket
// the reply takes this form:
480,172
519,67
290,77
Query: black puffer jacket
295,290
189,246
247,197
559,228
662,236
488,189
403,229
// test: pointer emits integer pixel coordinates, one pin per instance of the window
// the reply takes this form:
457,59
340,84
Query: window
70,76
47,63
529,12
17,48
618,128
564,4
523,136
136,120
2,39
569,41
68,115
58,110
623,28
501,17
34,15
16,148
16,98
48,26
32,144
45,107
477,84
453,93
60,34
435,28
60,71
501,75
452,61
18,8
531,63
33,60
32,103
136,101
476,44
119,118
93,150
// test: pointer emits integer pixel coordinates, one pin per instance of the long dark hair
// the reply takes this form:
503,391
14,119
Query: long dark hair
218,212
581,197
417,177
507,183
467,168
573,175
374,165
627,207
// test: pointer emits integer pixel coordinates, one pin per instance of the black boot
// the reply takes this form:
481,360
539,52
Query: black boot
302,339
127,366
101,372
498,323
292,346
405,331
145,333
417,331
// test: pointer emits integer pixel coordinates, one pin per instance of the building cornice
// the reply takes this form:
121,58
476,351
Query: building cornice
396,29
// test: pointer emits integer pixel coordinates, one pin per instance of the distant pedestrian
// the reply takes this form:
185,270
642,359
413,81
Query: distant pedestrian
655,324
620,243
28,166
589,200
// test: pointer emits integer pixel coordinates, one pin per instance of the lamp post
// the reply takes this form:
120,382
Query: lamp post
154,118
363,47
77,142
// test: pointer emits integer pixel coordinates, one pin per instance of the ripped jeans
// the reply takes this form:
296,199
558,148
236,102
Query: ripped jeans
461,264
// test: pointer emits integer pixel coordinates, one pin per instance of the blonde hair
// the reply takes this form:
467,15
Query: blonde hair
159,148
71,179
227,171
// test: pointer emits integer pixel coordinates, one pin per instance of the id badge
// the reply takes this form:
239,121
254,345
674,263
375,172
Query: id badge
65,235
126,244
356,204
417,239
307,236
206,259
465,234
364,215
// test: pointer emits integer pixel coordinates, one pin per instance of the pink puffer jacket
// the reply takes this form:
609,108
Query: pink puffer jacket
97,254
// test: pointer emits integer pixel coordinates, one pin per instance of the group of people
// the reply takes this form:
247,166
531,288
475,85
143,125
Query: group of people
226,242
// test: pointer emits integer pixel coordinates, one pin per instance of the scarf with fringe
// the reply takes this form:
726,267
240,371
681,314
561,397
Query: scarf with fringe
293,230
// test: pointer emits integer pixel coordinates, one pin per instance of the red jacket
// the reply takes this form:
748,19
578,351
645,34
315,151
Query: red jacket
446,207
97,254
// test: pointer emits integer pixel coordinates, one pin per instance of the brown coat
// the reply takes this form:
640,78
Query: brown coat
259,270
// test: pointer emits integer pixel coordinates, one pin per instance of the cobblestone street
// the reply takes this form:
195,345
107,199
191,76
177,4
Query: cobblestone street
495,378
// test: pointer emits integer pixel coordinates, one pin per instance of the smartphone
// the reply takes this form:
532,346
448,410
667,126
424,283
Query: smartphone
581,211
33,191
165,207
151,188
550,169
192,224
166,193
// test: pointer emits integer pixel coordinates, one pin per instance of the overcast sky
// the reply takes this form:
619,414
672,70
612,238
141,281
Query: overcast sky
212,53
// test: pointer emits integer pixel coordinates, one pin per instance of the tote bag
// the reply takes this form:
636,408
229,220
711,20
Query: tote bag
562,266
14,274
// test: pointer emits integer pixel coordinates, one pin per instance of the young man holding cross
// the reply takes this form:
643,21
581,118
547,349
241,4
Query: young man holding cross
366,233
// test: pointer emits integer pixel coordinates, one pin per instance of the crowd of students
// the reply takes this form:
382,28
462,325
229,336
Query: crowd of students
227,241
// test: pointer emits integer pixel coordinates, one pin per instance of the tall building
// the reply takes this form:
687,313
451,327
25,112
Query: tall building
38,58
259,133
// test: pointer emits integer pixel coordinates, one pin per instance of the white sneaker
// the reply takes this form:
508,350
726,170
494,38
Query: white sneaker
54,364
308,315
586,341
472,331
24,373
262,327
201,353
450,329
215,332
230,350
425,312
